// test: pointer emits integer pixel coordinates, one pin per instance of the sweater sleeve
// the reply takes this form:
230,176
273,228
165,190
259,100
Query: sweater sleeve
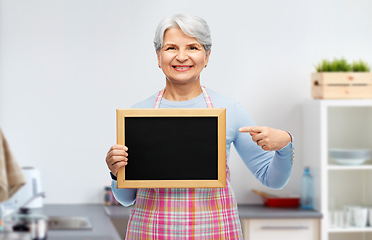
272,168
125,196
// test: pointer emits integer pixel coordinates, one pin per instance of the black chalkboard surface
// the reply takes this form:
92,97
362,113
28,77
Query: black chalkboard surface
173,148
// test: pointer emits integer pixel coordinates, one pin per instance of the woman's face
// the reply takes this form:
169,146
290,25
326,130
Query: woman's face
182,58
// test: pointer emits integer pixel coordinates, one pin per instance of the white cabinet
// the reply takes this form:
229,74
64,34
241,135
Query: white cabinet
338,124
288,229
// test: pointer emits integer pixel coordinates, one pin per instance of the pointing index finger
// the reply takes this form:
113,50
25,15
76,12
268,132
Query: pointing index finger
254,129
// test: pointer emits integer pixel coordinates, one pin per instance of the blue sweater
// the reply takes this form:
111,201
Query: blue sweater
272,169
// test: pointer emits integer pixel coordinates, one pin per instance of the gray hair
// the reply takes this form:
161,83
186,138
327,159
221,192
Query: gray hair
190,25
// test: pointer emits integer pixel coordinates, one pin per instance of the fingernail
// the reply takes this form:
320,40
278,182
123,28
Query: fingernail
125,148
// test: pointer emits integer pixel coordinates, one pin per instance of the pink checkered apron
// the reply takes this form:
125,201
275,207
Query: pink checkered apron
185,213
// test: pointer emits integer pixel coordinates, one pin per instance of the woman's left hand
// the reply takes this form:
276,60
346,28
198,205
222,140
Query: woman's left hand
269,139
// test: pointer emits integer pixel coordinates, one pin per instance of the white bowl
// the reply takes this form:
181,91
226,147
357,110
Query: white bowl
346,156
350,161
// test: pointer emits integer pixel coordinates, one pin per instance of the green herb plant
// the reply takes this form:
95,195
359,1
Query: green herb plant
341,65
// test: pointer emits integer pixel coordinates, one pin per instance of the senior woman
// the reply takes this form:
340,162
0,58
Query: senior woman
183,47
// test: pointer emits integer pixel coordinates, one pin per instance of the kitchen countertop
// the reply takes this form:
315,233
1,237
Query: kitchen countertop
261,211
100,217
103,229
248,211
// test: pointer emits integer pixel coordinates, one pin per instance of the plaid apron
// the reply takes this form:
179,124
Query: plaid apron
185,213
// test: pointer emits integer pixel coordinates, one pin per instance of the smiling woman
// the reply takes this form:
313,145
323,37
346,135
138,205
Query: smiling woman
183,47
182,58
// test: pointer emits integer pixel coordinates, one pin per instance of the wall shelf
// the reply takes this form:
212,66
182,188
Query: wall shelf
338,124
360,167
349,230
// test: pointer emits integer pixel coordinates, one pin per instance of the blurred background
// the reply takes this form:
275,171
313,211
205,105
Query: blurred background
67,65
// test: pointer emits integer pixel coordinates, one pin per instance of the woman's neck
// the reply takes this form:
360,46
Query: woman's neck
182,92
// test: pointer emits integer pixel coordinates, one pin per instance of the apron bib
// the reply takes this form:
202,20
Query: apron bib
185,213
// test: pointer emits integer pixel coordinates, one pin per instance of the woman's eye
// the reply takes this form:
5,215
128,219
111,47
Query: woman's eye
171,48
193,48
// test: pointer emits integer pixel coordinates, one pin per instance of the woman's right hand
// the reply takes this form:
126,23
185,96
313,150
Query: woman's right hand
116,158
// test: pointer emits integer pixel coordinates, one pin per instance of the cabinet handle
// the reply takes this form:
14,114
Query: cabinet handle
284,227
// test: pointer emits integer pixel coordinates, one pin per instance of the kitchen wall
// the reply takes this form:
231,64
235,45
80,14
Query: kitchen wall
66,65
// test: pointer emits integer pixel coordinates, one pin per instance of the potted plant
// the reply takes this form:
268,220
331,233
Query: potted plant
339,79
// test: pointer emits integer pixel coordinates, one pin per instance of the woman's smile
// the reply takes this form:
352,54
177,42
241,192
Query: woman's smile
182,68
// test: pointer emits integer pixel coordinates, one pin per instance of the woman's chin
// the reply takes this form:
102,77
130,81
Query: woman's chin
183,81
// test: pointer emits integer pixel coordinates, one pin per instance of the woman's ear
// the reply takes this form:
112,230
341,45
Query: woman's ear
207,57
159,58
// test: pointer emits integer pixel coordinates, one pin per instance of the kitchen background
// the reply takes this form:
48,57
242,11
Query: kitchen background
65,66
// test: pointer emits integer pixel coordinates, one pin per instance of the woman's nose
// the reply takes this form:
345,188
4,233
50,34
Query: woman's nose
182,55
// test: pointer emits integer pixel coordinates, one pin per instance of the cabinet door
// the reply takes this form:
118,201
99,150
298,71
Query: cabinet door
289,229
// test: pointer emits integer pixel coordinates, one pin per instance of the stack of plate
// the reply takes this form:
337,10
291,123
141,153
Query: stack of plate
345,156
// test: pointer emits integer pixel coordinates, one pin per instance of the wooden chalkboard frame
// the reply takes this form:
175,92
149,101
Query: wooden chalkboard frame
219,113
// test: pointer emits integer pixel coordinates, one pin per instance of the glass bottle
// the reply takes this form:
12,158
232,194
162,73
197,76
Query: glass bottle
107,196
307,190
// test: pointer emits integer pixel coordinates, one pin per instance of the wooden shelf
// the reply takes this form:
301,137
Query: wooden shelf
340,102
350,229
344,167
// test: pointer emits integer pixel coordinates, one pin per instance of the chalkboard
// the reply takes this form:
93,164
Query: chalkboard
173,148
